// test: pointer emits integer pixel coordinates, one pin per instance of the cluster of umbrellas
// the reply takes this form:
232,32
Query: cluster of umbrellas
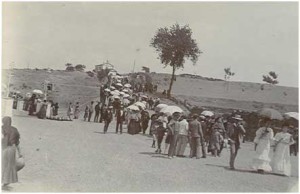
117,93
267,113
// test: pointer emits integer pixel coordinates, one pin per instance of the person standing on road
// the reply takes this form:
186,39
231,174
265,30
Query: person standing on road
234,130
76,111
91,111
281,163
182,139
108,115
97,111
144,120
197,138
70,110
120,116
262,143
173,129
10,148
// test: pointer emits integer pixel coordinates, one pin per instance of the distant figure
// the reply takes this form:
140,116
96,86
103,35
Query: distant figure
134,126
182,138
145,120
262,144
97,112
281,163
102,110
91,110
234,131
42,112
48,112
108,115
55,109
10,148
120,117
31,104
86,113
173,129
70,110
76,111
196,138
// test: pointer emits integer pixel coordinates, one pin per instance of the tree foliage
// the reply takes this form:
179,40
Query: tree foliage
228,73
69,67
80,67
271,78
174,45
146,69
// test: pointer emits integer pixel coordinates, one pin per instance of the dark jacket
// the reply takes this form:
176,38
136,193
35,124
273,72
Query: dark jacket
234,131
195,129
120,117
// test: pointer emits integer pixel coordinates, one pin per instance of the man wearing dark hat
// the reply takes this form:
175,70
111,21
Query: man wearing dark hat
234,130
108,115
120,116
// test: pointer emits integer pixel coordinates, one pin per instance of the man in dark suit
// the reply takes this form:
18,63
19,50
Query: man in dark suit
196,137
120,115
234,130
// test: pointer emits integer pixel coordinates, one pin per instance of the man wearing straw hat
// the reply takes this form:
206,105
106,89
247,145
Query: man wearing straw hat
234,130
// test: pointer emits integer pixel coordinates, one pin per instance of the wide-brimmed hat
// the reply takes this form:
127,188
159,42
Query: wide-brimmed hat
238,117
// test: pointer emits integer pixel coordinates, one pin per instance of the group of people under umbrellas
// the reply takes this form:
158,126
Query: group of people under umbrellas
211,132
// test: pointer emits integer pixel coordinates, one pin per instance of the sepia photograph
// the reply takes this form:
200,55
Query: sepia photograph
150,96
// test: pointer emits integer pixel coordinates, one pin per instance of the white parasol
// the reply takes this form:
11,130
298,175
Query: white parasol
37,91
207,113
133,107
127,85
294,115
159,107
171,109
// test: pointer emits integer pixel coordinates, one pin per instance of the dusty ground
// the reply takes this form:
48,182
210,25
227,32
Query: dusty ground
77,157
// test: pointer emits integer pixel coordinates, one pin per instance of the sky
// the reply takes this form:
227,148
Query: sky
252,38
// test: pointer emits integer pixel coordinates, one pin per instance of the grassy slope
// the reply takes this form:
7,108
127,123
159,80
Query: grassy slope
241,95
77,86
68,86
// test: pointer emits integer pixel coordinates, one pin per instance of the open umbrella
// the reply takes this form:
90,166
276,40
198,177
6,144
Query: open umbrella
126,95
118,81
122,93
171,109
126,101
112,88
119,84
127,85
159,107
207,113
112,73
125,90
270,113
107,89
140,104
37,91
144,96
294,115
133,107
116,97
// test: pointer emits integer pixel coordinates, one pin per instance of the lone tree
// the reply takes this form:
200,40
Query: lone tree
174,45
69,67
228,75
271,78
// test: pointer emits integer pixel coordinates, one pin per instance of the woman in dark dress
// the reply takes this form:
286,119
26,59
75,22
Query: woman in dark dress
31,104
134,126
42,113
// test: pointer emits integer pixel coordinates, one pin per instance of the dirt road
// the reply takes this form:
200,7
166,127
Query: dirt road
76,157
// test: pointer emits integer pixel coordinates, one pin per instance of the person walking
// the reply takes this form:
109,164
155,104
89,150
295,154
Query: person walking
262,143
281,162
120,116
216,138
42,112
234,131
102,110
91,111
97,111
182,138
196,138
108,115
70,110
10,148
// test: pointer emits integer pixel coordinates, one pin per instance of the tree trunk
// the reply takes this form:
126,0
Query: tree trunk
171,83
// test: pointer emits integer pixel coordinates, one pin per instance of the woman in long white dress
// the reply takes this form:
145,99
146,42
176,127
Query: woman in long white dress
281,163
264,137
